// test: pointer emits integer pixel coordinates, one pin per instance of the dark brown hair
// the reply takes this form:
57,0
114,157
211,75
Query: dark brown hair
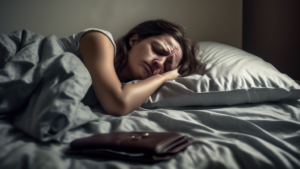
188,65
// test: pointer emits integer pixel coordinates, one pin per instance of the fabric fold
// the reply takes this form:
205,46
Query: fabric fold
44,84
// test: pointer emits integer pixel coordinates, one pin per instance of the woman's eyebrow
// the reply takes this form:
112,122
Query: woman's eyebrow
162,48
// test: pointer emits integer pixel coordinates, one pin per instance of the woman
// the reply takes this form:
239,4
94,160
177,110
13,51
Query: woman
154,51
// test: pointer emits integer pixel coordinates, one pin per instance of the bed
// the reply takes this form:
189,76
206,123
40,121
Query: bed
240,110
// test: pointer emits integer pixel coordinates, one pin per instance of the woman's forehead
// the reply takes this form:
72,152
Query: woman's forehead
169,42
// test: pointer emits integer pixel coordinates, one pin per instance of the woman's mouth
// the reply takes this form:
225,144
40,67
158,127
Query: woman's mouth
148,69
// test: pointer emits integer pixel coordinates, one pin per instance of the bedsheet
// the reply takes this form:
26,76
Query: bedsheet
263,135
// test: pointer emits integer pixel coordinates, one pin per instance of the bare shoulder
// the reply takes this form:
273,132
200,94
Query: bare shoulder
94,35
95,42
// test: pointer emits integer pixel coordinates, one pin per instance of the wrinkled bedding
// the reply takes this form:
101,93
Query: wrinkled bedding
41,82
44,105
264,135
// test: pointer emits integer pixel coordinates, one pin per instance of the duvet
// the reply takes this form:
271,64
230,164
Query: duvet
41,86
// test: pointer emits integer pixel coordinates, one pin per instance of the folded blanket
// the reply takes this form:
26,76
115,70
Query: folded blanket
41,85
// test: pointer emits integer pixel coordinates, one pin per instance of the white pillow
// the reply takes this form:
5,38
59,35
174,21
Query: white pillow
228,76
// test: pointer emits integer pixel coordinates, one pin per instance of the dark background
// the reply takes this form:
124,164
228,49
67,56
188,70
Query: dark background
271,30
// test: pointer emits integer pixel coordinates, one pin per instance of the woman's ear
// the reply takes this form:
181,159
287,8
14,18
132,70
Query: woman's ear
133,40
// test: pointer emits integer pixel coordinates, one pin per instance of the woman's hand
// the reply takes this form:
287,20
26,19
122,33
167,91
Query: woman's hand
171,75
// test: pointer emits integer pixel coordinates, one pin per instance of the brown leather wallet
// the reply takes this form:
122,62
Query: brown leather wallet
138,146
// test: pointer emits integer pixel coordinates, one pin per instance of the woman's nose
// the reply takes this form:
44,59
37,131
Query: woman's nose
159,64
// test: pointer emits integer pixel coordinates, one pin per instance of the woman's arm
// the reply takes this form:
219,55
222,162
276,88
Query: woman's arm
116,99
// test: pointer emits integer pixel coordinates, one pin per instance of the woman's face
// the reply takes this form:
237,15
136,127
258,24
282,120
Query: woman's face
151,56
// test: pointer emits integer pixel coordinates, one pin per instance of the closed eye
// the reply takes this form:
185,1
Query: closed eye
159,49
156,51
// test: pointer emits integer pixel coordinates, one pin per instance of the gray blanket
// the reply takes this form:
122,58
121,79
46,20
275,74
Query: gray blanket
251,136
41,86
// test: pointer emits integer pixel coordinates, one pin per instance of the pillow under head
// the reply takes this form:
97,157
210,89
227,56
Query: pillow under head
228,76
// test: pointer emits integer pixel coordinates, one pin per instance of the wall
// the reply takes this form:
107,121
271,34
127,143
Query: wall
214,20
271,30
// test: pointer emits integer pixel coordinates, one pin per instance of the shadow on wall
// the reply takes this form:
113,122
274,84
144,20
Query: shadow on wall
271,31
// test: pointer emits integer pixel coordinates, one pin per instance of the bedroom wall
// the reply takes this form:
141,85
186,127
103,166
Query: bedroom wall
271,30
214,20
